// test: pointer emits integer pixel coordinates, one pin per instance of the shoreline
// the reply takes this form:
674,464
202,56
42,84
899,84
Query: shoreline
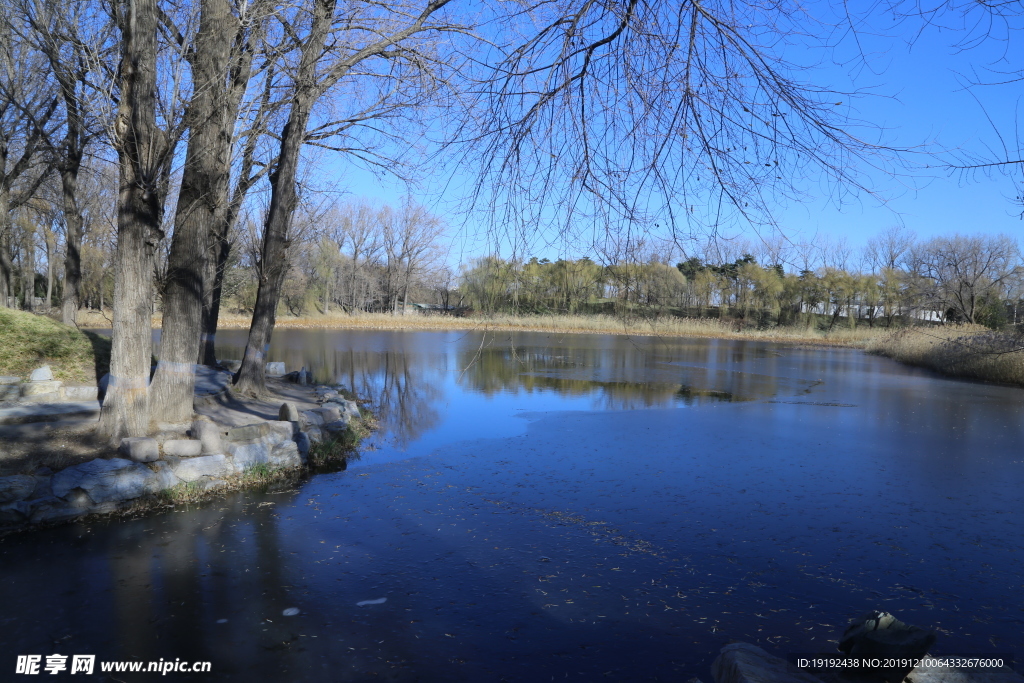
248,444
704,328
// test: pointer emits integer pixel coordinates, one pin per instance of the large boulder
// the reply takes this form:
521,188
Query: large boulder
17,487
746,663
251,432
195,469
275,369
286,455
111,480
880,634
245,455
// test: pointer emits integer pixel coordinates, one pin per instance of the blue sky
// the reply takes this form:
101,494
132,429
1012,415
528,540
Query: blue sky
920,99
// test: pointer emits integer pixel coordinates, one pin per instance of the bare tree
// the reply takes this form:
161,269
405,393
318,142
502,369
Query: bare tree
409,237
27,107
144,152
391,40
671,116
221,61
59,31
890,248
963,271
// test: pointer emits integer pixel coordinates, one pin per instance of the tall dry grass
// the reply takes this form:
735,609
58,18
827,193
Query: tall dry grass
969,351
665,326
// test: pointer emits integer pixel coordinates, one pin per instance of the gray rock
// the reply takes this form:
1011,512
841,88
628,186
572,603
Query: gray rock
349,409
12,514
116,479
30,389
5,379
251,432
315,434
139,449
325,394
17,487
336,428
275,369
80,393
329,413
303,443
310,418
183,448
746,663
279,431
210,484
880,634
286,455
288,412
208,434
52,510
41,374
194,469
78,498
245,455
10,392
161,477
232,365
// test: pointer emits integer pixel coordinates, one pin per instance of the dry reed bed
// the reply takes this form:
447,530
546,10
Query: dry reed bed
558,324
969,351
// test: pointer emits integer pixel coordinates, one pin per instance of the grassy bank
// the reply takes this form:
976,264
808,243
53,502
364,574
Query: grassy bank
28,341
969,351
665,326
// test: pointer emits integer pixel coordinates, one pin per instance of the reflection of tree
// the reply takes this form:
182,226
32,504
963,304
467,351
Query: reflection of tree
176,575
617,373
403,384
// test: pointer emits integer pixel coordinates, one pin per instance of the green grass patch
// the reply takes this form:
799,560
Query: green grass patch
28,341
345,447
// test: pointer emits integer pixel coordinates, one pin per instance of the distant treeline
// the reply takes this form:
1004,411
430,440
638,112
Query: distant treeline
976,279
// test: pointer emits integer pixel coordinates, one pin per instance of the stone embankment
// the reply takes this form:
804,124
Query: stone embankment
204,455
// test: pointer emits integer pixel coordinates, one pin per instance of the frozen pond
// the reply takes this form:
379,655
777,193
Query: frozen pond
564,507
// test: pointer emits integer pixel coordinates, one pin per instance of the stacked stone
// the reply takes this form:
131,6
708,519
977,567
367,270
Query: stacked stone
209,456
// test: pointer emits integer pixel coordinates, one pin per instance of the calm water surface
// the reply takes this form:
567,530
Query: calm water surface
564,507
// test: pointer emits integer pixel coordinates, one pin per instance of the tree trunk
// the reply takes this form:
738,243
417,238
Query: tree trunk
251,377
50,248
220,237
72,294
202,206
28,267
142,148
6,265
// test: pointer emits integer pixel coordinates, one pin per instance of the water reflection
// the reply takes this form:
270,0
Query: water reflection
797,487
406,376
